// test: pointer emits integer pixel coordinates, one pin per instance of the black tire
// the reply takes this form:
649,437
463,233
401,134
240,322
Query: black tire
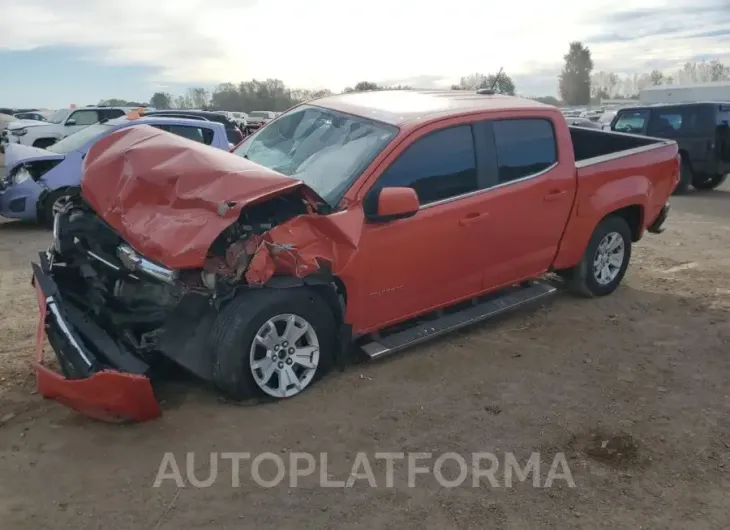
238,322
46,210
708,182
582,279
686,176
42,143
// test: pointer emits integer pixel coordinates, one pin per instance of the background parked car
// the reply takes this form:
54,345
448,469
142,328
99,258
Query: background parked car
701,129
36,115
39,182
62,123
233,133
259,118
582,122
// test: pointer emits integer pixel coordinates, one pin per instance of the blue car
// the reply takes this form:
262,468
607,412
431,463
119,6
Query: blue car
38,182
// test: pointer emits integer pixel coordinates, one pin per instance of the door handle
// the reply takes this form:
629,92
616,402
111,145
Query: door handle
554,195
472,218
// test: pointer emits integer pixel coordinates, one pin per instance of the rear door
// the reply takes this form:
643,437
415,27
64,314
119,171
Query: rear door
692,127
528,201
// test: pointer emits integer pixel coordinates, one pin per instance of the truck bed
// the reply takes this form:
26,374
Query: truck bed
592,146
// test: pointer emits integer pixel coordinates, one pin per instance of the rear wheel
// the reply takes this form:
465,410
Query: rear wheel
273,342
708,182
686,176
604,262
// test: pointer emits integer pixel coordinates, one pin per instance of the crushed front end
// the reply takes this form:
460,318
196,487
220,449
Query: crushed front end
116,319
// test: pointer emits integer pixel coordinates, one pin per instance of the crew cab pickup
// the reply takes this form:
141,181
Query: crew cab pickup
360,223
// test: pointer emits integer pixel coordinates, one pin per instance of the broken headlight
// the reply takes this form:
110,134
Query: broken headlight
21,175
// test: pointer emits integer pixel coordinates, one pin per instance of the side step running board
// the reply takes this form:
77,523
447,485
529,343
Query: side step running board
479,310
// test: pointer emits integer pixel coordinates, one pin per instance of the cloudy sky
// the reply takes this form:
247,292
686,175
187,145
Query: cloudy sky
57,52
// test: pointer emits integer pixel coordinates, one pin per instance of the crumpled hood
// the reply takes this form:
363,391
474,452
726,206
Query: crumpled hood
170,197
18,154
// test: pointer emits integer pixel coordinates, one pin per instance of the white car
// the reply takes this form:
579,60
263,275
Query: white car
61,124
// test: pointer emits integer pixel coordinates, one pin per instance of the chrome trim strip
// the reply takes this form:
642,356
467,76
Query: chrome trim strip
135,262
102,260
498,186
51,305
621,154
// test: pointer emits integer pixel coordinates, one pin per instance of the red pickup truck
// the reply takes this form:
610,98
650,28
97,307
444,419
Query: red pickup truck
360,223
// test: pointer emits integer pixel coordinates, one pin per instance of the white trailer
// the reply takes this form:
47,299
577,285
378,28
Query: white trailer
719,91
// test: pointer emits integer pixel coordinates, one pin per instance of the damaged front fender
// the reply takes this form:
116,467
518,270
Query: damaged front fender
304,246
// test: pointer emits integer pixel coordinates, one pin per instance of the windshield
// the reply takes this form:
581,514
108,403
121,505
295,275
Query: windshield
260,114
59,116
75,141
323,148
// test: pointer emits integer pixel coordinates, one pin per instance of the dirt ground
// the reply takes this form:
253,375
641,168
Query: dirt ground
632,388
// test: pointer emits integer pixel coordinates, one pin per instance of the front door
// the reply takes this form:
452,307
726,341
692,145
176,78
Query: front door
411,265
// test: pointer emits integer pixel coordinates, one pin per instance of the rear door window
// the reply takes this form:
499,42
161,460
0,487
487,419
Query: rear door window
631,121
85,117
673,122
110,114
201,135
524,147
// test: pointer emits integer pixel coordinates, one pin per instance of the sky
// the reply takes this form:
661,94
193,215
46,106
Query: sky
54,53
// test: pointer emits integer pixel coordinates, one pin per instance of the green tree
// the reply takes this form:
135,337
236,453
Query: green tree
575,79
657,77
161,100
502,84
475,81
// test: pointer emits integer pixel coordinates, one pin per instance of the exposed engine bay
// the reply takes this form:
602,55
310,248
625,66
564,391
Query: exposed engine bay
138,301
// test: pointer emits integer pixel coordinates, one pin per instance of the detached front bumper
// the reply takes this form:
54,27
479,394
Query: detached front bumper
657,227
99,377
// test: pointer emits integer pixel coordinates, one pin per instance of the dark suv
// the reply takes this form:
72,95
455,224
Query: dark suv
702,131
232,131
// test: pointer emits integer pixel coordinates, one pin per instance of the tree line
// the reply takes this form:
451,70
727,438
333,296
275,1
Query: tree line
578,84
274,95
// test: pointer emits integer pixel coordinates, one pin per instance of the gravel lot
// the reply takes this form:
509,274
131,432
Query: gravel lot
633,388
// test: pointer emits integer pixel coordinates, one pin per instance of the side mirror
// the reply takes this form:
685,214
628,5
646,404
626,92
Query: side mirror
71,122
388,204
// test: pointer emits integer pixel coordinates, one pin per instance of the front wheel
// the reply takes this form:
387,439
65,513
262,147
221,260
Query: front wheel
273,342
708,182
604,262
54,203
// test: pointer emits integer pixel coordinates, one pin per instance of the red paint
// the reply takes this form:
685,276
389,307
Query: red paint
107,395
162,193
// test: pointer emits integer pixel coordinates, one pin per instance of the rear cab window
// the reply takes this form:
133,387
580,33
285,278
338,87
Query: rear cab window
631,121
